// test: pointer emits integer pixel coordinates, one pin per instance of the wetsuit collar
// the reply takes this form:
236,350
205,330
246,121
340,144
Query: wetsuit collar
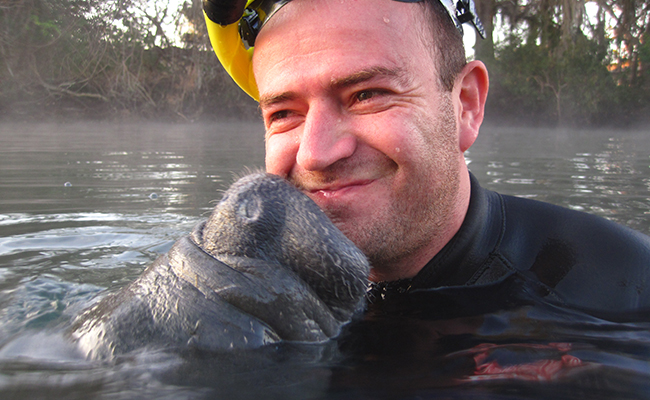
461,261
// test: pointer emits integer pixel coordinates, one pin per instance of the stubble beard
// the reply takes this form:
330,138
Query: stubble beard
420,211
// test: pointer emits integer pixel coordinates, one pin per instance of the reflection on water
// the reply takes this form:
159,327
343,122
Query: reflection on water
84,208
601,172
92,167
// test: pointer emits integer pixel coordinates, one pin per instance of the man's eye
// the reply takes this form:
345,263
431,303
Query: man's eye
370,94
278,115
366,95
282,120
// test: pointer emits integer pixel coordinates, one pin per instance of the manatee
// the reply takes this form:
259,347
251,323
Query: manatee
267,266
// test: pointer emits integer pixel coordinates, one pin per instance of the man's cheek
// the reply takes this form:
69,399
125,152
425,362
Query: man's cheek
280,155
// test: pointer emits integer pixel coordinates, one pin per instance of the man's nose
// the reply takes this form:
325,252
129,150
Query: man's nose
325,139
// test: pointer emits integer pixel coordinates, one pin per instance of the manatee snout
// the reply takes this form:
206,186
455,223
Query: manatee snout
269,219
268,265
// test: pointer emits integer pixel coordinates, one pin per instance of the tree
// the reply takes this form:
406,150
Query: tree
152,58
554,64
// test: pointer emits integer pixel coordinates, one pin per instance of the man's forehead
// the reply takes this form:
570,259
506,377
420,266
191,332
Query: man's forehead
331,14
325,23
352,44
458,11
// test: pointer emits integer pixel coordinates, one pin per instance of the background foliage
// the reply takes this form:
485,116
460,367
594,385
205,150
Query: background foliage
551,62
567,62
111,58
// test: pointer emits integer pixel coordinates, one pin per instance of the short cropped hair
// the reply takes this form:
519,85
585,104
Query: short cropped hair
448,49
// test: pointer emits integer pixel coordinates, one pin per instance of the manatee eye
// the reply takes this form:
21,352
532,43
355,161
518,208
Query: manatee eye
249,210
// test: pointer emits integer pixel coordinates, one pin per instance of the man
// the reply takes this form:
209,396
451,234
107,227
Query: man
369,106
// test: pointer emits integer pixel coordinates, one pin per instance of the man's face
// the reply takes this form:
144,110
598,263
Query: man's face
356,118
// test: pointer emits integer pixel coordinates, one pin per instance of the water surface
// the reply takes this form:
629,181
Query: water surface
85,207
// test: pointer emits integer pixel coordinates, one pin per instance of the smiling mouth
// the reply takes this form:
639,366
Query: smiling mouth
338,189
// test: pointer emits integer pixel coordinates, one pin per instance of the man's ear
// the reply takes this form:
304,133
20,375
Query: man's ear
472,88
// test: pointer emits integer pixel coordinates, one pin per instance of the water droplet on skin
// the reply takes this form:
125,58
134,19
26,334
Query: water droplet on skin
397,149
386,20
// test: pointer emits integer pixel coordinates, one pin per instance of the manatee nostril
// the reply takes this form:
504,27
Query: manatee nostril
249,210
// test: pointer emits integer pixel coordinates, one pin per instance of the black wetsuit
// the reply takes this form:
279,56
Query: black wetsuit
567,257
518,280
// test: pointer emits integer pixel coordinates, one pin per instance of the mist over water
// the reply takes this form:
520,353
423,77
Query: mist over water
85,207
603,172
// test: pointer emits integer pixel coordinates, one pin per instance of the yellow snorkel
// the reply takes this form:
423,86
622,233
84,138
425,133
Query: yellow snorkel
233,26
231,51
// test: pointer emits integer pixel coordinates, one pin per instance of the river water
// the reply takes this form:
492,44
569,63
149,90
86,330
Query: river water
85,207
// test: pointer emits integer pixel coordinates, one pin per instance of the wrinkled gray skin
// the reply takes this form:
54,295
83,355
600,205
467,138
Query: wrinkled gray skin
268,265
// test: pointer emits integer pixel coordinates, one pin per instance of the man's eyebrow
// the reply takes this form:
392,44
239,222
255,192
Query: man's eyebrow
366,75
271,100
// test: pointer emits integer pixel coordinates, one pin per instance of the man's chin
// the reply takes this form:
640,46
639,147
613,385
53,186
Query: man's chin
360,229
